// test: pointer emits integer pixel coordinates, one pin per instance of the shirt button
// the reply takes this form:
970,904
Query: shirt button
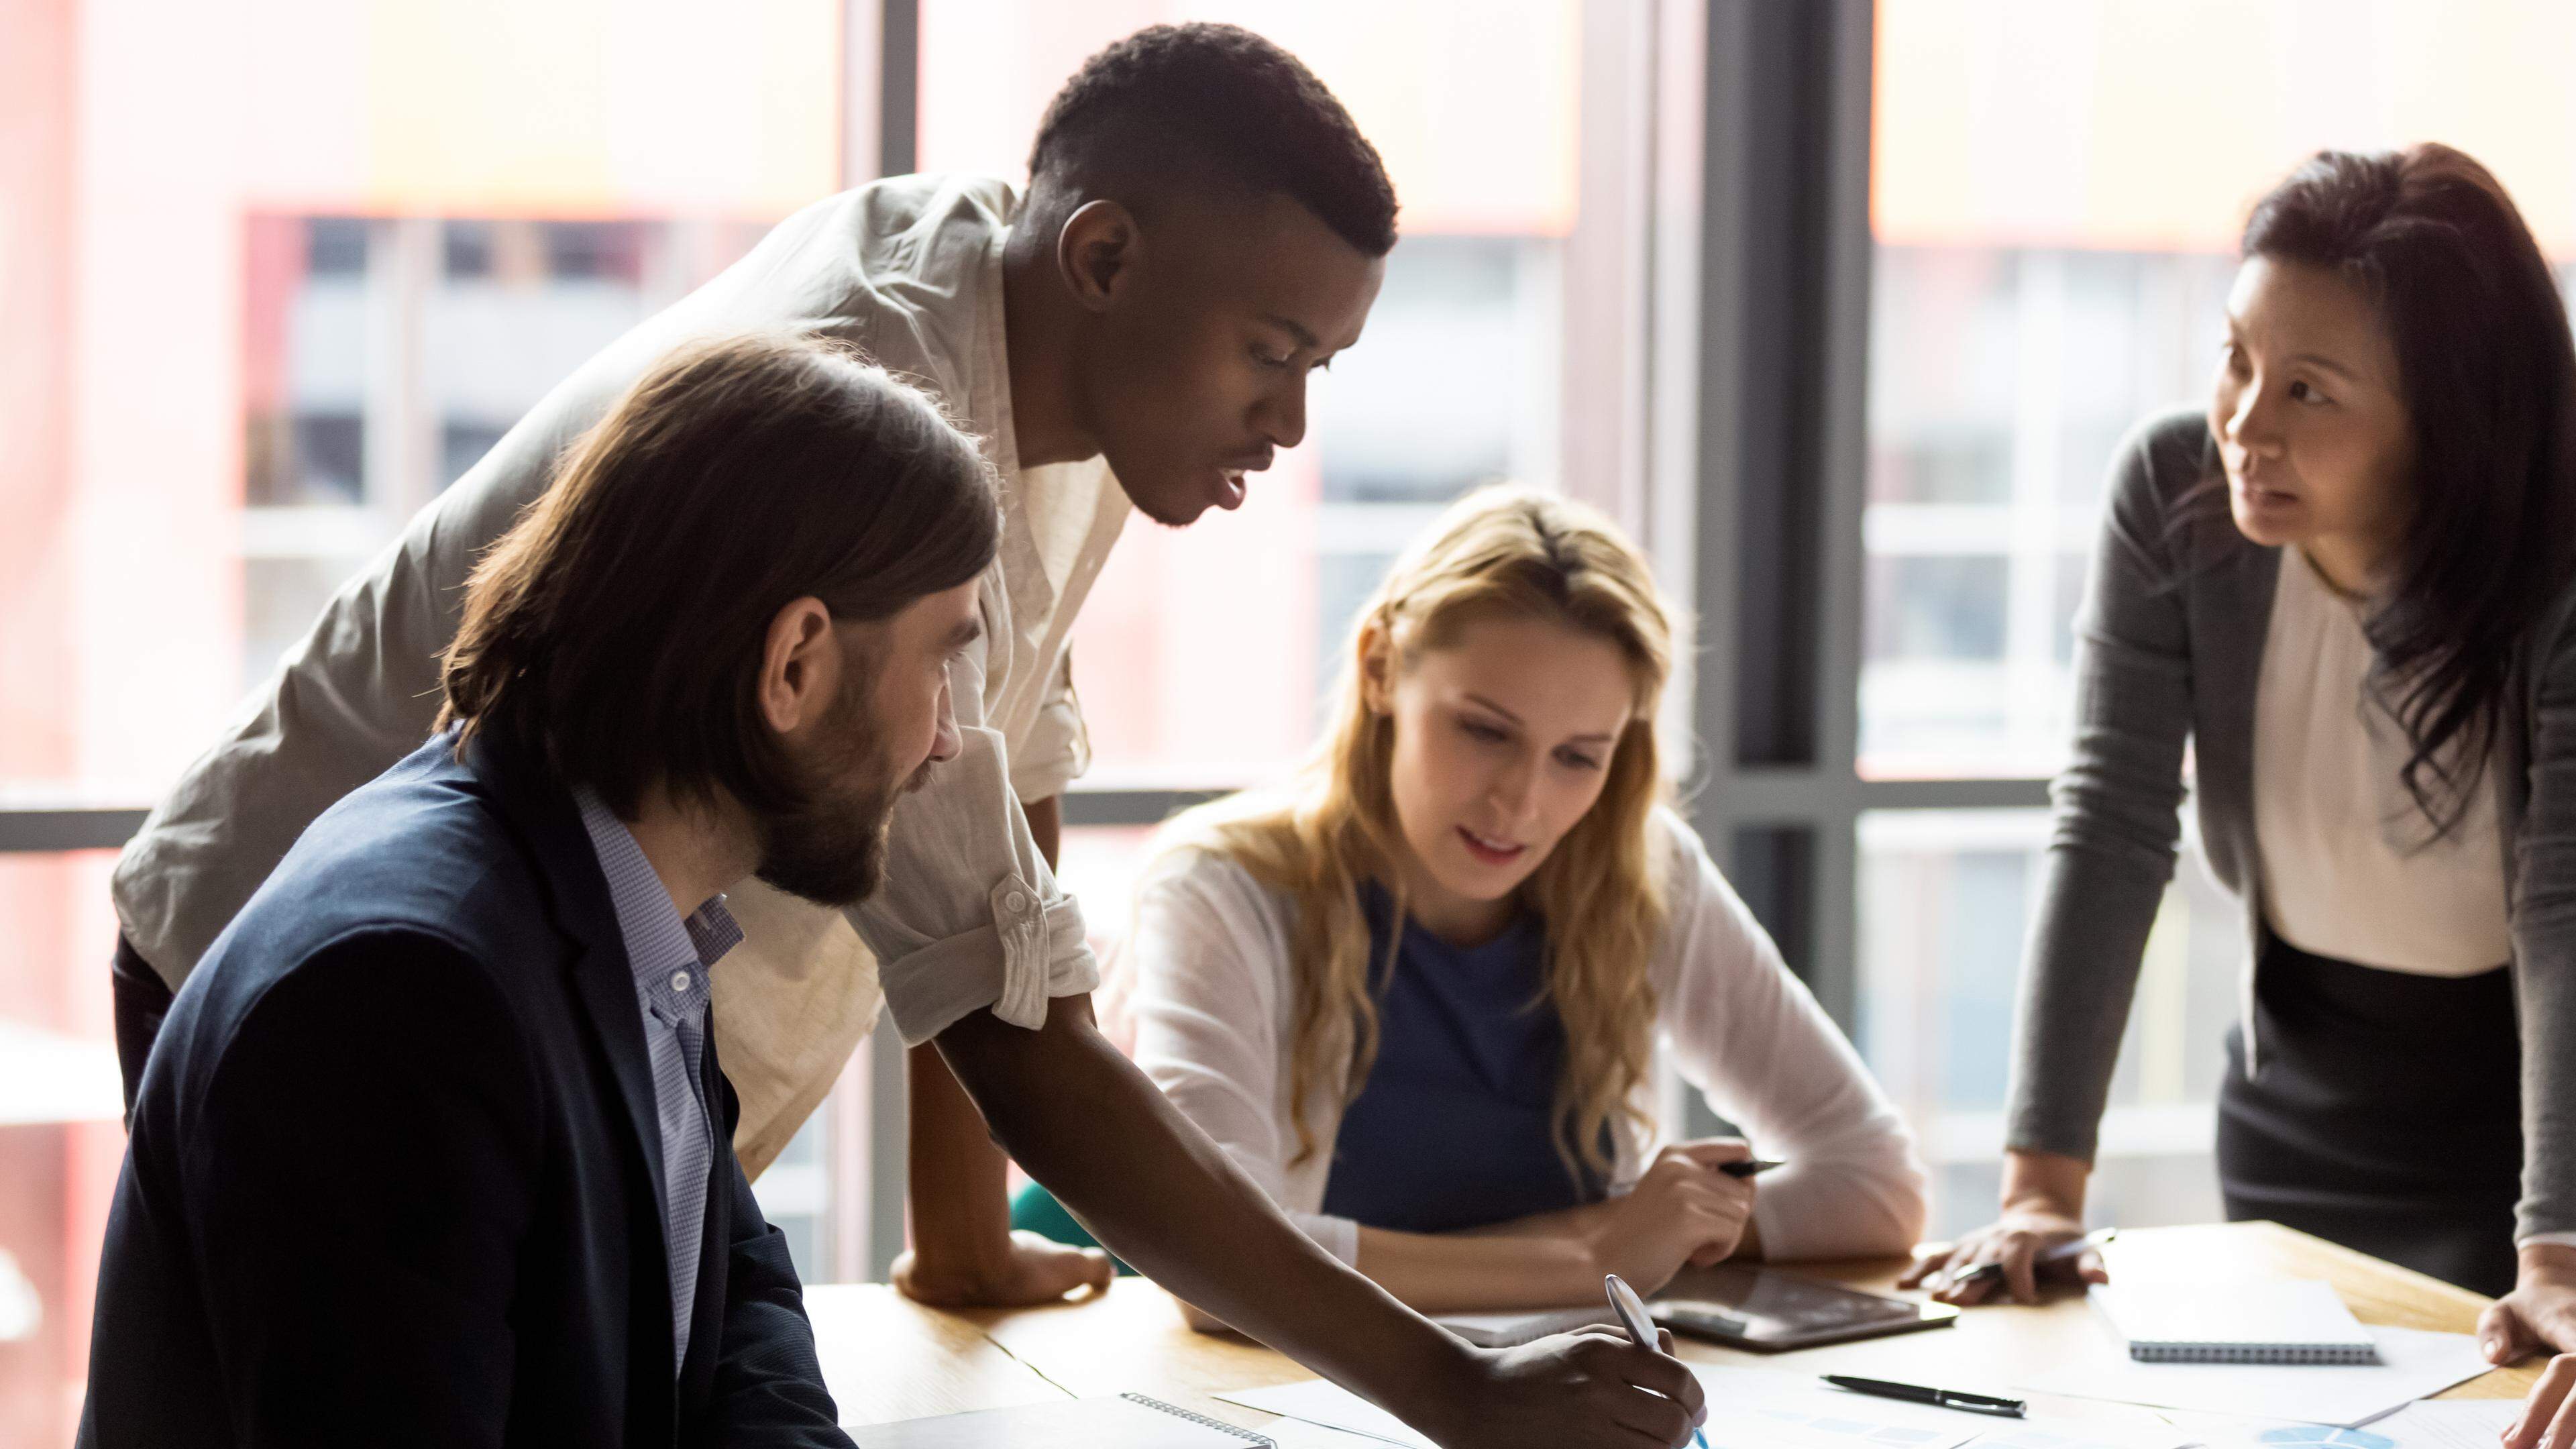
1015,902
679,981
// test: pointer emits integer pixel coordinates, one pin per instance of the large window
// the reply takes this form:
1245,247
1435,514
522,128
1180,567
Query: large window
277,271
385,355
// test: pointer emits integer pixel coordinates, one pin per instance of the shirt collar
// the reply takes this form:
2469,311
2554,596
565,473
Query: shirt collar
670,956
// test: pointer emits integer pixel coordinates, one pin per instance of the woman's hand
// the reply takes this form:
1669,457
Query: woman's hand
2539,1315
2043,1206
1682,1213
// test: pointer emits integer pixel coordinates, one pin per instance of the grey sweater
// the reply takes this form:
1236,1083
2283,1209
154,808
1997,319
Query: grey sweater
2170,648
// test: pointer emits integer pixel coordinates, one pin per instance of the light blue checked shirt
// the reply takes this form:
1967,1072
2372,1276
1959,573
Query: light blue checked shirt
671,958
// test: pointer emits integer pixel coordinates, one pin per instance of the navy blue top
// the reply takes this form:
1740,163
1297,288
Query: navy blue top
1451,1130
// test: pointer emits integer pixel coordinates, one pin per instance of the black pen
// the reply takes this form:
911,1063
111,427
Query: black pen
1750,1166
1918,1394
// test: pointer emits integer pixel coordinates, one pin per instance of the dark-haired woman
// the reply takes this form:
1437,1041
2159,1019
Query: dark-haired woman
2346,587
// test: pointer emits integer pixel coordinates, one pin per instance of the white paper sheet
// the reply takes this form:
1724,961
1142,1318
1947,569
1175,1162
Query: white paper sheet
1318,1401
2429,1424
2413,1363
2449,1423
1740,1394
1298,1434
1106,1423
2046,1433
1748,1409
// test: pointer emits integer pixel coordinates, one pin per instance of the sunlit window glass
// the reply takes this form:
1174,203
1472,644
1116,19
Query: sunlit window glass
276,273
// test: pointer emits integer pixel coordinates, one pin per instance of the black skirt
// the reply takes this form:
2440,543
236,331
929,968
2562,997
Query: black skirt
2386,1115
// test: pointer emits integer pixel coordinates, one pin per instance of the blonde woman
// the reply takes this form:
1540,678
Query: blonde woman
1417,997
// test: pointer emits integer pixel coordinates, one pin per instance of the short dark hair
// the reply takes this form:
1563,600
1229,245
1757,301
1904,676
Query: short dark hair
615,633
1215,103
2488,372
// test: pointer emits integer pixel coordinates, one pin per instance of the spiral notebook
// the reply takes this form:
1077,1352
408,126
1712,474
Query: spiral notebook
2266,1321
1129,1421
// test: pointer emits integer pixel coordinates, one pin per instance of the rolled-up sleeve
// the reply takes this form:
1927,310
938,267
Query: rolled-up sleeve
1056,749
969,915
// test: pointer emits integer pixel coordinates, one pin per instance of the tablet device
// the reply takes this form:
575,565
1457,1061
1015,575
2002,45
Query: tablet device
1769,1311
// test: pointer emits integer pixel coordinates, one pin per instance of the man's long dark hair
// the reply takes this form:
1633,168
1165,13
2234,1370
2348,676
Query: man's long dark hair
615,634
2488,375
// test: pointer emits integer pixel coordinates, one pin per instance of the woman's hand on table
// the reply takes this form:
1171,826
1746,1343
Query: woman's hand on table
1034,1270
2043,1207
2539,1315
1682,1213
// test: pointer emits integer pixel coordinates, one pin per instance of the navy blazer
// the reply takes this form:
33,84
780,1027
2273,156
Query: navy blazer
393,1170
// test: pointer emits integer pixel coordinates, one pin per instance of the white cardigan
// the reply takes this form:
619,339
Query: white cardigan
1215,1004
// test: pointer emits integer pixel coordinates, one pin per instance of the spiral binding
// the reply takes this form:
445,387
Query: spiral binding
1176,1411
2260,1353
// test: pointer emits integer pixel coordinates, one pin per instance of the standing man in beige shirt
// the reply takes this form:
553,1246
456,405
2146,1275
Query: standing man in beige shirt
1204,226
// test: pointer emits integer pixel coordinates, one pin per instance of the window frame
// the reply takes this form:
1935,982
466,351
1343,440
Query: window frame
1771,390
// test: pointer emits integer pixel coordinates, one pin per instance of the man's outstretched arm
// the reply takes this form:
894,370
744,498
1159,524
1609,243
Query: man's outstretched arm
964,1254
1084,1121
981,952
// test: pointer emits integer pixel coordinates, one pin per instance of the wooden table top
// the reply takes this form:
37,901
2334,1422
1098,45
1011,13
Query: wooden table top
887,1357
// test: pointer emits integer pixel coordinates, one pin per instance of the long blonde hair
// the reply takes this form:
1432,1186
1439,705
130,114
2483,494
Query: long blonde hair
1499,552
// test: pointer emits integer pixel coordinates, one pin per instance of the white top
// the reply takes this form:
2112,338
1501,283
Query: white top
1215,1005
909,269
2349,867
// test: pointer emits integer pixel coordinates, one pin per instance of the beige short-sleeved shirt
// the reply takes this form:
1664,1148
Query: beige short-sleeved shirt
910,269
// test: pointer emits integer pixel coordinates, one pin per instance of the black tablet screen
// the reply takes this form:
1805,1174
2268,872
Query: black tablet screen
1764,1308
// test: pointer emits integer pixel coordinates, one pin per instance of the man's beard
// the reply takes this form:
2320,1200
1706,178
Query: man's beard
830,846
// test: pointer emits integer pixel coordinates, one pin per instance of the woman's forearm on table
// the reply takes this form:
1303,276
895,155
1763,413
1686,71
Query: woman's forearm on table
1489,1270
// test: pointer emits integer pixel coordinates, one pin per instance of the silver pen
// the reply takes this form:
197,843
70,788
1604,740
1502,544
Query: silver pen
2065,1252
1631,1310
